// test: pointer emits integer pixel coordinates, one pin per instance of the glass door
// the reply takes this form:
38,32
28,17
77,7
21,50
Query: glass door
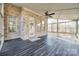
31,27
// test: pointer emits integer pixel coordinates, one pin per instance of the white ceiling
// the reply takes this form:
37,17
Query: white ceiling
62,10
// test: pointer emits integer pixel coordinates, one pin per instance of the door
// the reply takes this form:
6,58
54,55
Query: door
31,27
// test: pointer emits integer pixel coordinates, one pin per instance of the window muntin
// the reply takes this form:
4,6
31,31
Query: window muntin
64,26
12,23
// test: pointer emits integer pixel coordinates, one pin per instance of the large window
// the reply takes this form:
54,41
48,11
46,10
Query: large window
64,26
12,23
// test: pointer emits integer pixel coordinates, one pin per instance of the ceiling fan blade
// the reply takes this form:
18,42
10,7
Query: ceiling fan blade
49,15
52,14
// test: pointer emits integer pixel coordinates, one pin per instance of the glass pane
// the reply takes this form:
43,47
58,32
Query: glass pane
12,25
43,26
61,27
50,20
49,27
38,26
71,27
54,27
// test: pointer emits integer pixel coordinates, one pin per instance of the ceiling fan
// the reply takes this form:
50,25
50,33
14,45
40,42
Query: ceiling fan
49,14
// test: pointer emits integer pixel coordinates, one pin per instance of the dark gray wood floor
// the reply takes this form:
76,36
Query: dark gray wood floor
44,47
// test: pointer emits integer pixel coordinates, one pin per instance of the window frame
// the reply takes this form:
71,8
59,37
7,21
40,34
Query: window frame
15,19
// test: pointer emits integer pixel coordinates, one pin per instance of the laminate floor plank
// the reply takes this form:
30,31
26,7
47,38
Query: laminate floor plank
49,46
